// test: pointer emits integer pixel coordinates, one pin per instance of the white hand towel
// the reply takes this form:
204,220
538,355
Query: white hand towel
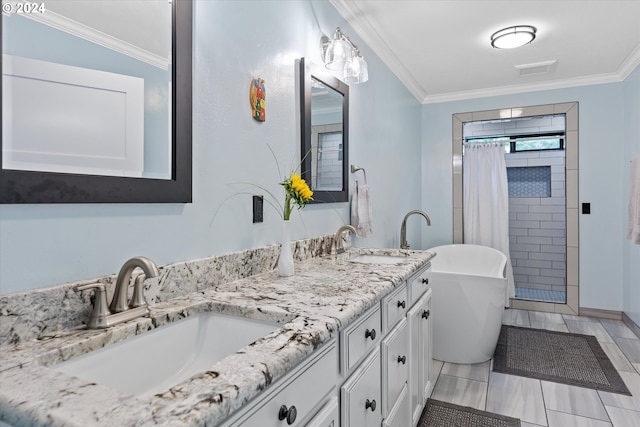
361,211
633,225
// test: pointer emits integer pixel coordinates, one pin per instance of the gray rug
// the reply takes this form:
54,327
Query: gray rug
443,414
560,357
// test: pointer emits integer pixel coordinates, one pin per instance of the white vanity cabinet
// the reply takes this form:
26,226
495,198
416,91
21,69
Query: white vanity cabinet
400,415
418,284
359,338
360,395
392,384
297,398
394,307
329,415
420,361
378,373
395,365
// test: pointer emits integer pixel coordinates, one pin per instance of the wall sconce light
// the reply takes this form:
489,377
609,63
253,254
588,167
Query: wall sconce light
342,55
515,36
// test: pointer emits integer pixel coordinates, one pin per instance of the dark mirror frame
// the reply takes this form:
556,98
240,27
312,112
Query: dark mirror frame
307,72
21,187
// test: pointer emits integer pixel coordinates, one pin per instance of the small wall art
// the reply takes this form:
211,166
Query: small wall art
257,97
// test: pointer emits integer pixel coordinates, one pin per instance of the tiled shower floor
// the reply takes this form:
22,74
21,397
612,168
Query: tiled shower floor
542,403
541,295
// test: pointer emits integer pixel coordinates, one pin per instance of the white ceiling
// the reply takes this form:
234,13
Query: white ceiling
441,49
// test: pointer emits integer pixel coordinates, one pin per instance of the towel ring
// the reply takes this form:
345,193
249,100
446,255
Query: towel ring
355,169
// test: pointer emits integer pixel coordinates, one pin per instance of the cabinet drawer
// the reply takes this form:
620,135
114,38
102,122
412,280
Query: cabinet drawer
394,307
399,415
360,338
329,415
301,393
395,364
418,284
360,395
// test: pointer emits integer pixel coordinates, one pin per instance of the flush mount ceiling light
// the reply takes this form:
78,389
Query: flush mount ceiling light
515,36
343,56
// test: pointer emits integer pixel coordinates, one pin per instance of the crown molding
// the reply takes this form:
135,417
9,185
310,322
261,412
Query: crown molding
92,35
630,64
355,17
515,89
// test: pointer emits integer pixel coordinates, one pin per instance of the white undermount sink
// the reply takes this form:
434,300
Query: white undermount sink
157,360
379,259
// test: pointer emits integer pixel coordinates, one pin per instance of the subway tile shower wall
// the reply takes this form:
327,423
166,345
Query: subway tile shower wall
537,226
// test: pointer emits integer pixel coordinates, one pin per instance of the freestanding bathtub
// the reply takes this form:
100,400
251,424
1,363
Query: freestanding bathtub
468,292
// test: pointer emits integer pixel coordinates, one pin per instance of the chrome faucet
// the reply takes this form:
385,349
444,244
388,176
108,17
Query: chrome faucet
121,309
338,237
403,229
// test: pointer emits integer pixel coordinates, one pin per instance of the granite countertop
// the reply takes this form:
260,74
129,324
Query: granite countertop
325,295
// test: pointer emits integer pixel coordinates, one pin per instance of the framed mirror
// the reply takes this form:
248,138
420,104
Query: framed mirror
96,102
324,113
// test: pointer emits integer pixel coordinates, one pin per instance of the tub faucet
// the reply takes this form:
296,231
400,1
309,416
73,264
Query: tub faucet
338,237
403,229
121,310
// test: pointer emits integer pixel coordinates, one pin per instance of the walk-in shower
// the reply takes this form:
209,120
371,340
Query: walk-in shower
535,161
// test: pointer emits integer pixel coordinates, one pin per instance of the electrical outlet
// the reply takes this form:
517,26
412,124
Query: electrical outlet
258,204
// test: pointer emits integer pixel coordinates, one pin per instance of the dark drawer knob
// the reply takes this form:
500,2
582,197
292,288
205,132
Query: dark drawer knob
370,404
425,280
402,359
370,334
426,314
288,414
402,304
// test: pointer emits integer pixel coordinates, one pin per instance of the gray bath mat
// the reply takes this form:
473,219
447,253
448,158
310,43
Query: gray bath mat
560,357
443,414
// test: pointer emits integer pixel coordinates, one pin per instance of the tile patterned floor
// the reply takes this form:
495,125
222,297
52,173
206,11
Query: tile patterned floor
541,403
541,295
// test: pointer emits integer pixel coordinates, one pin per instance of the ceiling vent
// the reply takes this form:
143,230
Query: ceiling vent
534,69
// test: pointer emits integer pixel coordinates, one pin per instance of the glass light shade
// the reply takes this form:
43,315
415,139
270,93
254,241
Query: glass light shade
356,71
338,55
509,38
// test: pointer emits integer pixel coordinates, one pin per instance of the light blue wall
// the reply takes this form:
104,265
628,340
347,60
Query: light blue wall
631,252
601,150
234,42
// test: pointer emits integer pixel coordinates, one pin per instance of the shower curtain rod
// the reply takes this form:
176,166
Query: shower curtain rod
512,137
485,142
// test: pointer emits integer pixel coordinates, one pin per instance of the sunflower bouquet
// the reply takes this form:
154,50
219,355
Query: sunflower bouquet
297,192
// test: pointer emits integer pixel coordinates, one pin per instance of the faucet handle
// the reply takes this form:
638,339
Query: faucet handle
97,286
98,318
137,299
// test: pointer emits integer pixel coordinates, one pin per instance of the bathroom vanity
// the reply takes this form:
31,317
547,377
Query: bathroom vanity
353,348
